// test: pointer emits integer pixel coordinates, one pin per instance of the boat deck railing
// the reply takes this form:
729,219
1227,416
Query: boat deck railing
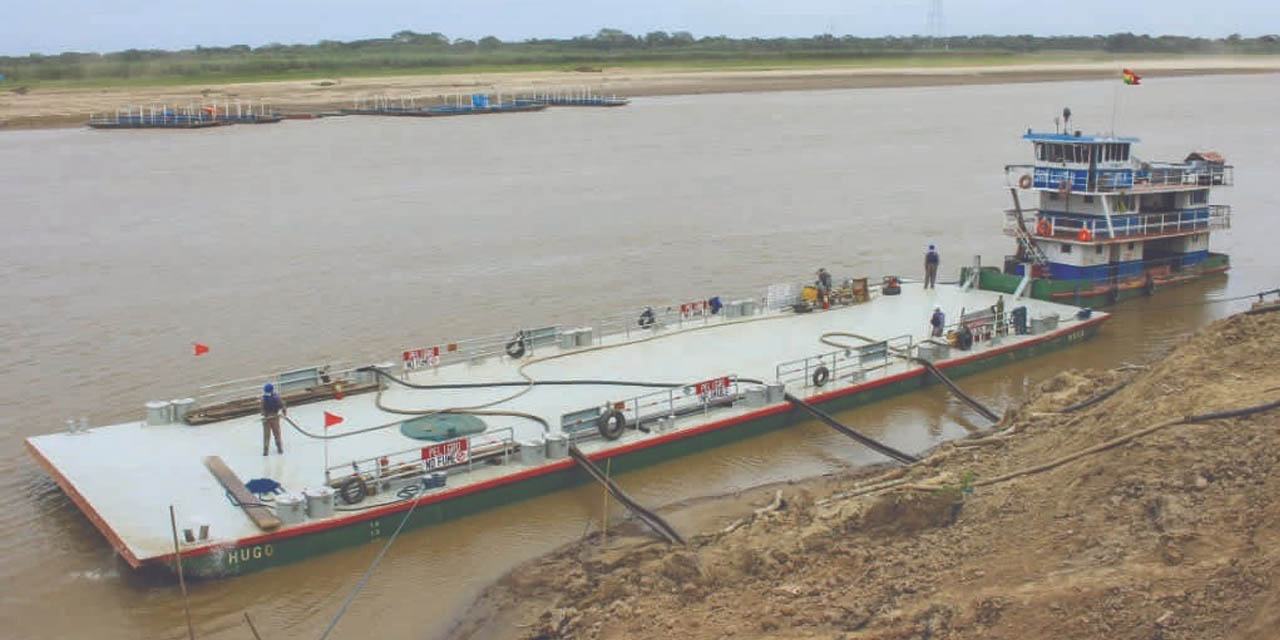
443,456
853,363
1154,177
648,408
1211,217
284,382
534,340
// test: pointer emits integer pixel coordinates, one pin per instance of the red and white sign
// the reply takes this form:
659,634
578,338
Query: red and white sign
713,388
697,308
418,358
447,454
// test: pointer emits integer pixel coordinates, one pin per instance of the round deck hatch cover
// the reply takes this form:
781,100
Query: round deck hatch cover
442,426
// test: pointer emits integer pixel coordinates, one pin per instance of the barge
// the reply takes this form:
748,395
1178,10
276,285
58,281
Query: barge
1107,226
446,430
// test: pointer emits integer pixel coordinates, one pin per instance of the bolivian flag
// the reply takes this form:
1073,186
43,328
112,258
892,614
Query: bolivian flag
1131,78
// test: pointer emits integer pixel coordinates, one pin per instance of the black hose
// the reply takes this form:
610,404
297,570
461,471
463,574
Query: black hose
1092,401
1234,413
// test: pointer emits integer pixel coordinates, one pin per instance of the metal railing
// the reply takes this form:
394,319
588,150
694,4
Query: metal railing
284,382
1212,217
650,407
1178,175
407,464
853,363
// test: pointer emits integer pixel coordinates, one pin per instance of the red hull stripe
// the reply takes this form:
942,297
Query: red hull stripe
88,511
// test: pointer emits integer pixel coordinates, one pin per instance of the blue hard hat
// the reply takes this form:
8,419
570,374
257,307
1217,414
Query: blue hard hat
268,388
931,247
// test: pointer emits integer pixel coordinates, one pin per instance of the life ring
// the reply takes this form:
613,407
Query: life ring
646,318
820,376
353,490
1042,227
611,423
1025,181
515,348
1084,235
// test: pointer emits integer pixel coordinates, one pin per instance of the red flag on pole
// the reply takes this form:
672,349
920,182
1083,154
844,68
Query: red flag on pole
330,419
201,349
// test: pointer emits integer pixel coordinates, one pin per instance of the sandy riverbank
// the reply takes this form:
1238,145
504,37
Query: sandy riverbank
71,107
1160,527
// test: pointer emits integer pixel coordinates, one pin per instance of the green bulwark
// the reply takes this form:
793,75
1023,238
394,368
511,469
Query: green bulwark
314,539
1069,291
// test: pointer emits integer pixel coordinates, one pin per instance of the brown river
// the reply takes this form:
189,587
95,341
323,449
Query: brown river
352,238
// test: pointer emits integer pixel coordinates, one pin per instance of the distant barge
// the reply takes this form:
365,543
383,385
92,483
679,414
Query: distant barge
480,104
716,373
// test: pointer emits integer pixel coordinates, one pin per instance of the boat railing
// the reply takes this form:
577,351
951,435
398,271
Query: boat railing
454,455
648,408
476,350
853,363
1184,175
1151,176
284,382
1211,217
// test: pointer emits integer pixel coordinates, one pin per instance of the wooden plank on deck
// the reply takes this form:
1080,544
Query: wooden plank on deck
253,507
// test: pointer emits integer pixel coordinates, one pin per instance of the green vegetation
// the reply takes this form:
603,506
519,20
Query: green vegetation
408,52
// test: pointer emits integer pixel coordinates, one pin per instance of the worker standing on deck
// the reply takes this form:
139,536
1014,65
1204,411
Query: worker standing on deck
272,407
936,322
931,260
824,288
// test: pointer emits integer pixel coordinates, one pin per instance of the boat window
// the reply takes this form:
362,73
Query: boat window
1199,197
1066,248
1131,246
1053,195
1040,151
1088,199
1098,249
1055,153
1124,152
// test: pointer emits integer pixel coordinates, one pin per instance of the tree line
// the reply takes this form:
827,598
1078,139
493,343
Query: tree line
406,50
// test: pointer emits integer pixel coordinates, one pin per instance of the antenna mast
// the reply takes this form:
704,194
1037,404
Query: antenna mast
934,22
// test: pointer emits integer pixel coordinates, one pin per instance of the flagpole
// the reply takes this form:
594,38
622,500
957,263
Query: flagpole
1115,102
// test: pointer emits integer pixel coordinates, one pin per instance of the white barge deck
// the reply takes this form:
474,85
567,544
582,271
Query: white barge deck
125,476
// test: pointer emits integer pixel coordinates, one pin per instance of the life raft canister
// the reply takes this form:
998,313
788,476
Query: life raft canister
1084,235
1042,227
1025,181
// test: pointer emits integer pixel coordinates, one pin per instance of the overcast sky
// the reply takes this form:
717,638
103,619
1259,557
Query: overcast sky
54,26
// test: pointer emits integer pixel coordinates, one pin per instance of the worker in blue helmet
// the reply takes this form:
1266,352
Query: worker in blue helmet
931,260
272,408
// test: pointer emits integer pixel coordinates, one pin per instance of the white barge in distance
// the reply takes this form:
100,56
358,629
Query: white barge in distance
711,378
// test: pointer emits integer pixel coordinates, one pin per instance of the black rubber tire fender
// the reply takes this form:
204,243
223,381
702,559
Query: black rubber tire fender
515,348
646,319
821,376
611,423
353,490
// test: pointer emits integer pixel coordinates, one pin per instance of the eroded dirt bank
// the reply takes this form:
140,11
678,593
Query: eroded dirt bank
1160,529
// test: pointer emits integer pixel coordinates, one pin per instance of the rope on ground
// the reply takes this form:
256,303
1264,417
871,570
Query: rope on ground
1199,303
368,573
1112,443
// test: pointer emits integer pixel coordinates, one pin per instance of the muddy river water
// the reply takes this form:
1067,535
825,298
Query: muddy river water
351,238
